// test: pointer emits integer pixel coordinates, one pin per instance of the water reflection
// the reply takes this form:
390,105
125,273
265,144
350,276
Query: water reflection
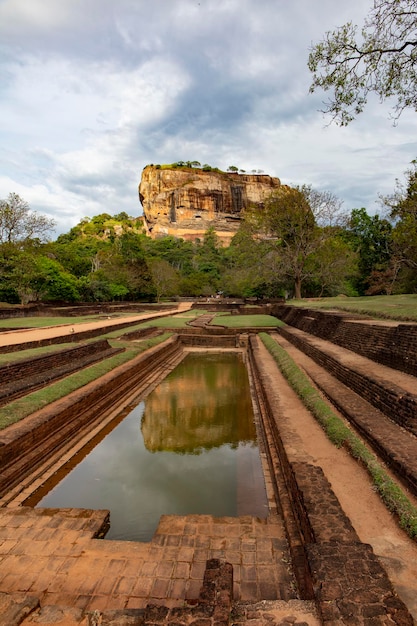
204,403
189,448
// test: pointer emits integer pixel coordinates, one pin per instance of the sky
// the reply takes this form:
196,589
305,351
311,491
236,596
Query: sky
91,91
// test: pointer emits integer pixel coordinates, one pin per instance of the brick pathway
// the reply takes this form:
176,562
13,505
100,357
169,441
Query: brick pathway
201,321
52,554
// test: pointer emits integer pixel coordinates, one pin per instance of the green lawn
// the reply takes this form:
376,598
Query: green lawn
401,307
179,320
40,322
245,321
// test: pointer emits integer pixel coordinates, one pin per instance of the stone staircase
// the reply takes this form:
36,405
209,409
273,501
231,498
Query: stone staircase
52,561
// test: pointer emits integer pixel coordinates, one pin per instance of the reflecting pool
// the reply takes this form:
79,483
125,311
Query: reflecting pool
190,447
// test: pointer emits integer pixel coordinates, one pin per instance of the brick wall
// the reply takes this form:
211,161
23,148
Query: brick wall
216,341
34,366
399,406
391,345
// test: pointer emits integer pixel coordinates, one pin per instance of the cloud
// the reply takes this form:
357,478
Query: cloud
92,92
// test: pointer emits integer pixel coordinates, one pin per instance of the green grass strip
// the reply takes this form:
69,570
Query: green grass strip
391,493
41,321
180,320
402,307
22,407
246,321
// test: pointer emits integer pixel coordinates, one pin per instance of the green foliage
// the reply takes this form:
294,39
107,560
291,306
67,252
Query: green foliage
301,220
391,493
165,278
176,252
308,250
52,282
371,238
195,165
251,266
246,321
403,210
332,268
378,59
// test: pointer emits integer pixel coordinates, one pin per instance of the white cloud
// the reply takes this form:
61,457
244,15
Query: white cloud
36,14
92,92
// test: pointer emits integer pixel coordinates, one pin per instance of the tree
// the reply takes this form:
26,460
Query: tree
381,59
250,266
165,278
402,205
301,219
32,277
371,237
176,251
51,282
18,223
332,266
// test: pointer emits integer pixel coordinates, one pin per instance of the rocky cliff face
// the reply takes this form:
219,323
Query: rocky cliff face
186,202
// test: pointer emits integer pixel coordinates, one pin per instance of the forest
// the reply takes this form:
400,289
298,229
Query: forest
300,245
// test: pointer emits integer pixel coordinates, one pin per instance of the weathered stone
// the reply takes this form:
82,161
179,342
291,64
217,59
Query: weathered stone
186,202
14,607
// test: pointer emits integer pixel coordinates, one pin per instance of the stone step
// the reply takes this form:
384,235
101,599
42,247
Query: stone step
53,555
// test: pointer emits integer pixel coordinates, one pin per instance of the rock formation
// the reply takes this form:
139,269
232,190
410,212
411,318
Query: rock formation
185,202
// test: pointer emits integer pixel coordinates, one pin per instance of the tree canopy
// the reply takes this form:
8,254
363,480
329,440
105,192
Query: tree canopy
302,220
299,244
380,58
402,205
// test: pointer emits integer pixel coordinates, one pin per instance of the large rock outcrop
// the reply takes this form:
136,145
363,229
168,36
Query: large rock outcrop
185,202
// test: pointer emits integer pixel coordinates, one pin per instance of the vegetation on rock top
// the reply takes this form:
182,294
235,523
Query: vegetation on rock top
184,165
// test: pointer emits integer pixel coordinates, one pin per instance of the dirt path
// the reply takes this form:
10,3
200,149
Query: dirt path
372,521
13,337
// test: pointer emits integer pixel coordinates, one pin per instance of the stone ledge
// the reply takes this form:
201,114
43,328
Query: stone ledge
351,586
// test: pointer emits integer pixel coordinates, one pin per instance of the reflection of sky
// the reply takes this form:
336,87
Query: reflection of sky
139,486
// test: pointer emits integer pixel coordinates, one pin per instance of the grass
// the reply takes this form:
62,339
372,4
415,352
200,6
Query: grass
178,321
22,407
401,307
245,321
13,357
41,322
174,321
37,321
390,492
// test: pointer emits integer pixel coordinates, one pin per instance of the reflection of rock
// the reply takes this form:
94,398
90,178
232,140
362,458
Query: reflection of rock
204,403
186,202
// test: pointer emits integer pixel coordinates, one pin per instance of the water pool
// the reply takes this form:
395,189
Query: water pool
189,448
